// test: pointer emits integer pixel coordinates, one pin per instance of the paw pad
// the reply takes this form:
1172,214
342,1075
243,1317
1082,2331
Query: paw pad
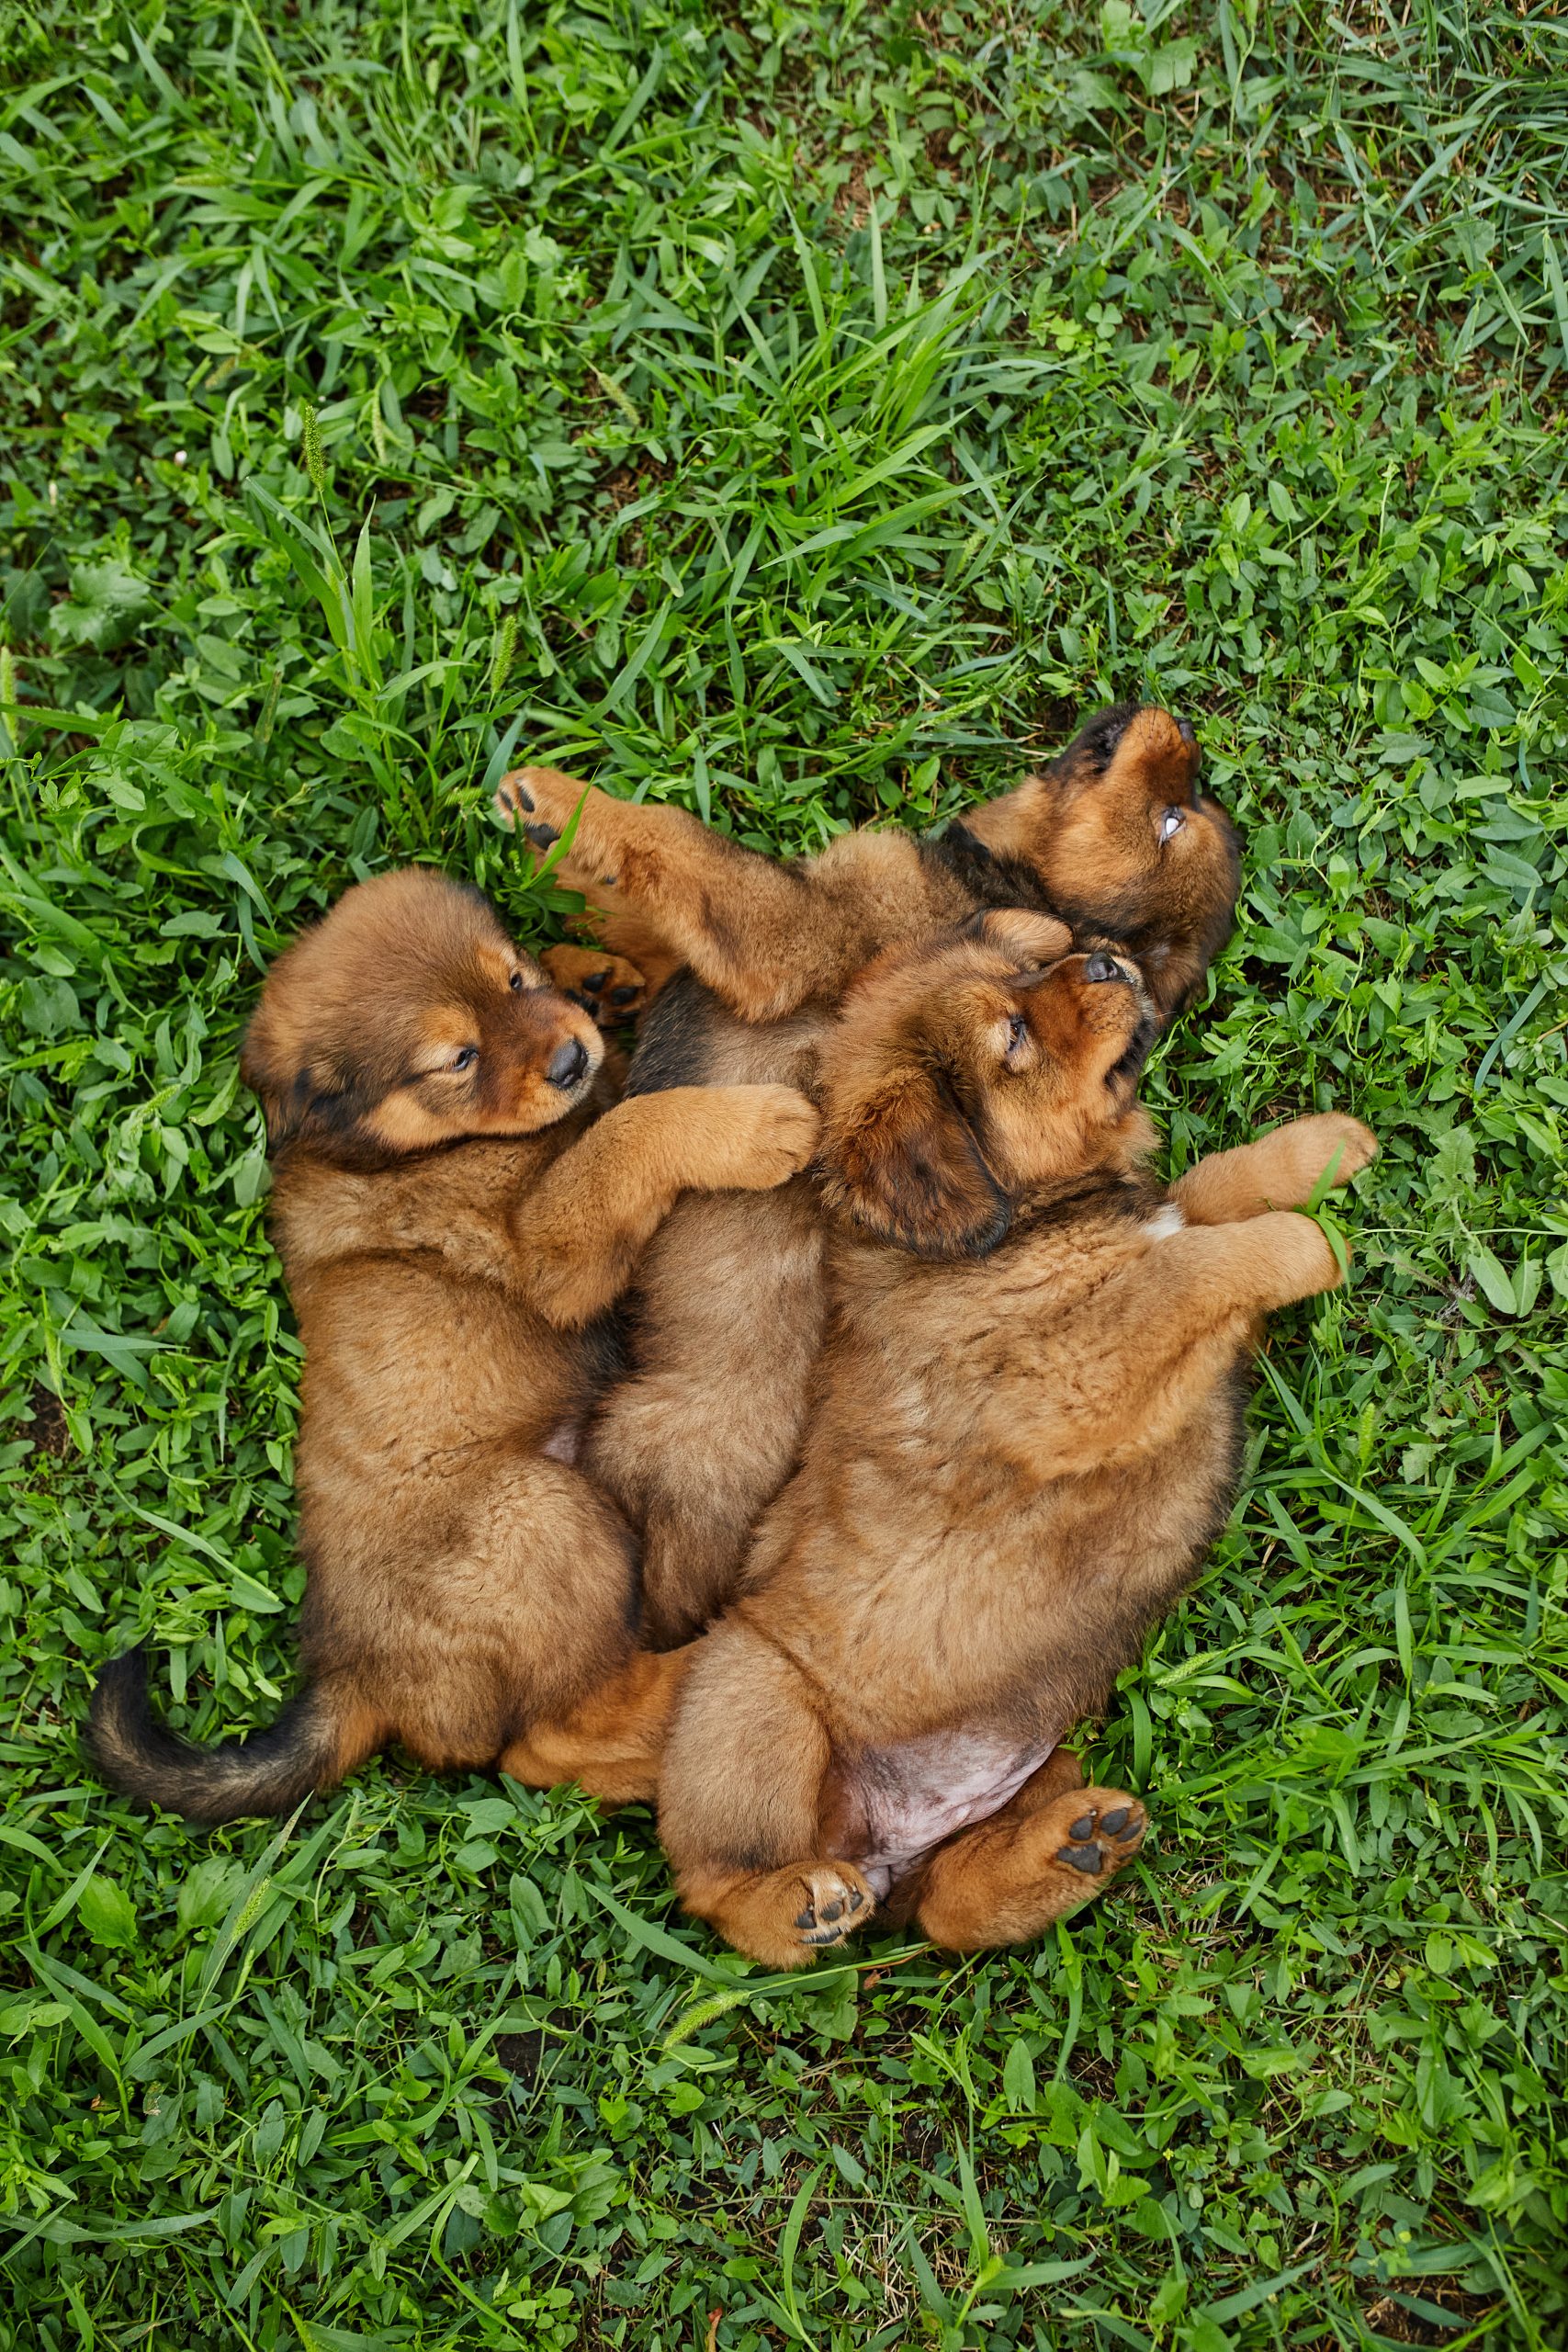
829,1922
1082,1857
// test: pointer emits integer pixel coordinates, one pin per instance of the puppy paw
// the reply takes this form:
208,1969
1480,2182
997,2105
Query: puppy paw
785,1918
1333,1132
747,1138
540,803
1298,1260
835,1899
605,986
782,1128
1101,1836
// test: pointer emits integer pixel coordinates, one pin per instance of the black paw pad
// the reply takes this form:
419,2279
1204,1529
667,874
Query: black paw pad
523,799
806,1918
1082,1857
832,1910
1082,1827
1116,1822
594,980
542,836
622,996
857,1899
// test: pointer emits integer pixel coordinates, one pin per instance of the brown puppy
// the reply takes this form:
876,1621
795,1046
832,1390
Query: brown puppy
1114,838
455,1201
1026,1436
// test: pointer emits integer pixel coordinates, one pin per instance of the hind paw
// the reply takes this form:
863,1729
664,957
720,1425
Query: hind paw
1105,1830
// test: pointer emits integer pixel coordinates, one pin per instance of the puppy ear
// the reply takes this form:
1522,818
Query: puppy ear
1030,938
902,1163
295,1097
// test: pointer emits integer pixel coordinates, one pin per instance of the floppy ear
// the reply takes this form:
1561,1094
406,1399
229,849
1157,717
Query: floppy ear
1014,930
296,1097
902,1162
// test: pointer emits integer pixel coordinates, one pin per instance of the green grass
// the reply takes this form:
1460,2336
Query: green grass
802,413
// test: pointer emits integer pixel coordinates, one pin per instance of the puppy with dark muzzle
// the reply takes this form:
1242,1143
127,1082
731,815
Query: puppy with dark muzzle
456,1199
1115,838
1026,1436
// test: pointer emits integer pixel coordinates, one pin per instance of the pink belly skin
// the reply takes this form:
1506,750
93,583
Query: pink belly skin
904,1801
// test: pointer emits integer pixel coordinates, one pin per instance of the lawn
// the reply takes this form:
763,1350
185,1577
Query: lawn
801,413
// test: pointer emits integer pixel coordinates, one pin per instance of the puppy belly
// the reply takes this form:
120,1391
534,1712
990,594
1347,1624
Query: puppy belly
901,1802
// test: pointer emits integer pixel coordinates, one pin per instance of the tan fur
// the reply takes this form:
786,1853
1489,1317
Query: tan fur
729,1319
1016,1461
449,1234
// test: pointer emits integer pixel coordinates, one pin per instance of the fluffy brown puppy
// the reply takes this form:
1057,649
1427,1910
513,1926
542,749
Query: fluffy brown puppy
455,1201
1114,838
1026,1436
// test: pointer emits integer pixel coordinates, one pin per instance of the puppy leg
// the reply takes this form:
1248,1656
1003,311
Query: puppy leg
740,1802
613,1744
1049,1851
535,1615
1151,1342
750,929
583,1228
696,1444
1278,1170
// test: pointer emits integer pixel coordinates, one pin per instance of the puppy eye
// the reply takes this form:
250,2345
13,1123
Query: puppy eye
1171,823
515,983
1018,1036
465,1059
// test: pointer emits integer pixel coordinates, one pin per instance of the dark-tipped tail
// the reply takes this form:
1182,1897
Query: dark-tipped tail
318,1737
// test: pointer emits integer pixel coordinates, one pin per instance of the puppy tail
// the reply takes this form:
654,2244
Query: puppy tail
320,1735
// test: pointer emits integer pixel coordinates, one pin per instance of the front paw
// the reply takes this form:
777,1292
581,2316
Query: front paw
1301,1261
776,1137
605,986
1331,1139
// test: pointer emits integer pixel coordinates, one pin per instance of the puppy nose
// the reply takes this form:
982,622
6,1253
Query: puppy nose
1187,731
567,1063
1101,967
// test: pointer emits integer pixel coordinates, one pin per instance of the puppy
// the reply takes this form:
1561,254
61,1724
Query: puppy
455,1203
1026,1437
1114,838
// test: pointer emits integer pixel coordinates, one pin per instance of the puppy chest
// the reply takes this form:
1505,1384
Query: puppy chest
899,1801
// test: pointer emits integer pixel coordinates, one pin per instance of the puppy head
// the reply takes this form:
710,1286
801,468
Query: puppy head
965,1073
1127,849
407,1019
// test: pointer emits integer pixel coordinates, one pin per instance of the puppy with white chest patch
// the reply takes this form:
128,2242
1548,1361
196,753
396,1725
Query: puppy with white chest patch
1026,1437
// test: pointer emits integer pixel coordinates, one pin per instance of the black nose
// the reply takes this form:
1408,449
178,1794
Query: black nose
1101,967
567,1063
1186,730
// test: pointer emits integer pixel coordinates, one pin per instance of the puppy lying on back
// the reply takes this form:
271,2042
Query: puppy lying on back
1026,1437
455,1201
1115,838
